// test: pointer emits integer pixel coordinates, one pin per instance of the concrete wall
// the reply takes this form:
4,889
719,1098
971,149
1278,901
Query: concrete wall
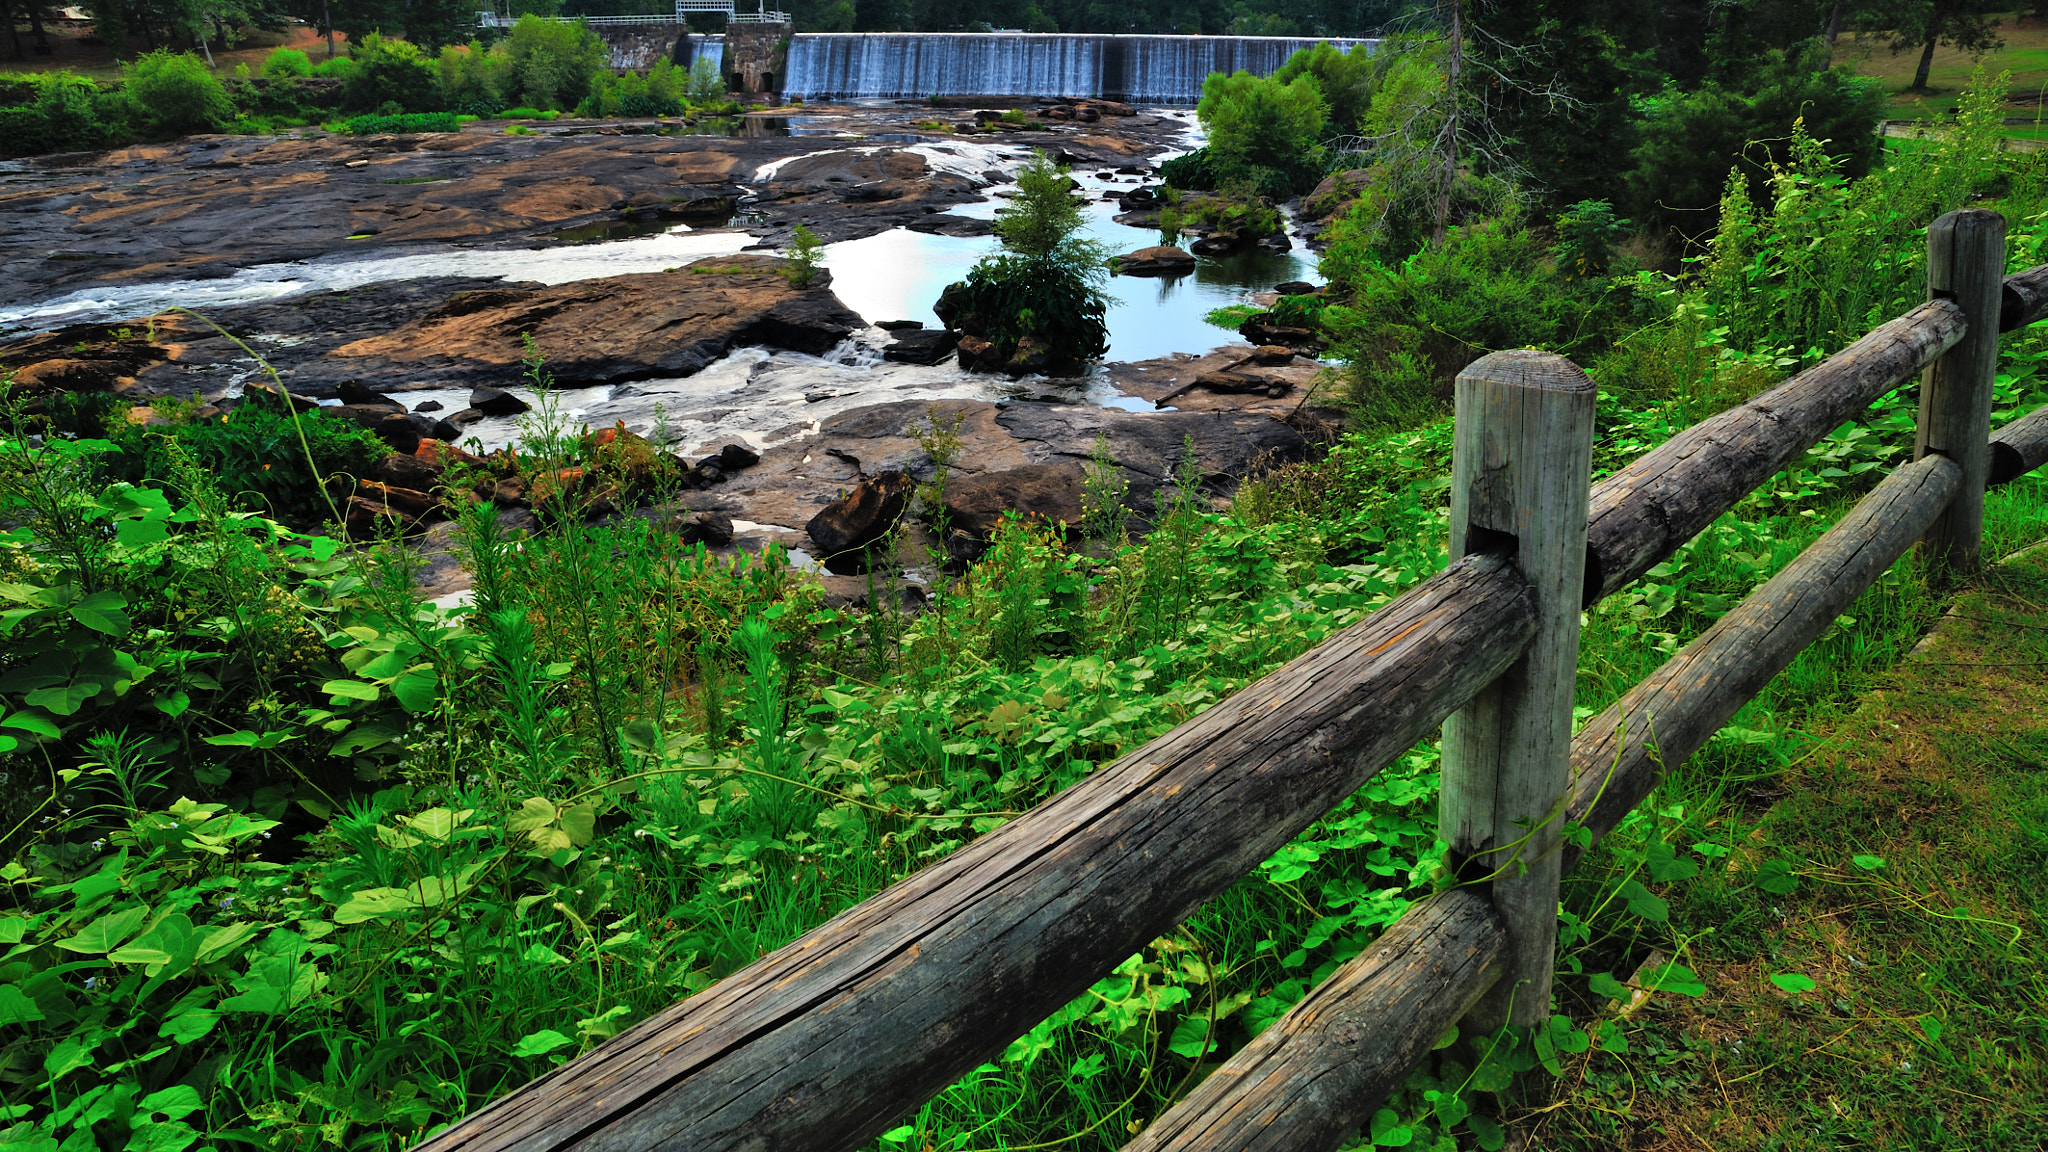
755,57
638,46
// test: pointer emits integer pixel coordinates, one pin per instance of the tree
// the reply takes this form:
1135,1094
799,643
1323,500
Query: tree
1264,131
1039,303
1924,24
549,63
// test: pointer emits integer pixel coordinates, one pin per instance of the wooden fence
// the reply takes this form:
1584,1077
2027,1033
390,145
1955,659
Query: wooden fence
829,1041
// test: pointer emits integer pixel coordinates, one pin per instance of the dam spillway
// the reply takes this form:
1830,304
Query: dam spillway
1141,69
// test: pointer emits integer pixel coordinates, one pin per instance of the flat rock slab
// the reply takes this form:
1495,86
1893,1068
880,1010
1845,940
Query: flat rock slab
613,330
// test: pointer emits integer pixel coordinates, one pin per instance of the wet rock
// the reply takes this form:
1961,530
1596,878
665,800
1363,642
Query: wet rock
610,330
864,516
367,415
1042,493
460,420
408,471
352,392
429,406
922,346
497,402
978,353
398,430
1163,260
509,493
1294,288
1217,244
1277,242
734,457
1032,355
1273,355
1261,330
406,501
713,529
899,325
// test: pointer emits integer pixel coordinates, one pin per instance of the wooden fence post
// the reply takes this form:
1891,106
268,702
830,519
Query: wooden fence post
1966,264
1521,460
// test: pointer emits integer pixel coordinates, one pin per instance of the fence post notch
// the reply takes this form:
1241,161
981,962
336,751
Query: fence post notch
1966,264
1521,460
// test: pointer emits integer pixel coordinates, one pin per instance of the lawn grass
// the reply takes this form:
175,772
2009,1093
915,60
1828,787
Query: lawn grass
1911,1004
2025,54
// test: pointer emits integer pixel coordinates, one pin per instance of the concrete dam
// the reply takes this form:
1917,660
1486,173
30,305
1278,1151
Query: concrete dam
1142,69
759,57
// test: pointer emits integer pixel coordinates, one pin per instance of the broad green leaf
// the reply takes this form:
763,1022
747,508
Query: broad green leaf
12,929
1603,984
190,1026
170,942
1645,903
30,722
1191,1038
174,1136
370,903
351,690
107,932
1868,863
1388,1131
16,1007
1776,878
1491,1136
533,812
416,688
71,1053
137,533
101,612
173,1103
580,822
434,823
542,954
173,703
1793,982
63,699
1665,864
225,939
248,739
540,1043
1674,978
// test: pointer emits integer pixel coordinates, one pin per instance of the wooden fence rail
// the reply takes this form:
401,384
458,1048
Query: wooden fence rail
825,1043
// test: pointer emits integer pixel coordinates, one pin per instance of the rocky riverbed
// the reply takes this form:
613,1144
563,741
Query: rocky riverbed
412,270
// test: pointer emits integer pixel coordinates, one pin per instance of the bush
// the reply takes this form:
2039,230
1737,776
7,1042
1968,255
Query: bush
339,68
707,85
473,78
1264,132
390,71
1345,79
551,64
68,113
174,94
405,122
1190,172
287,64
256,457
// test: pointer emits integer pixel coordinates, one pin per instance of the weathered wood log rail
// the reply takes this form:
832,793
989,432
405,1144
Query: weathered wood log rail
825,1043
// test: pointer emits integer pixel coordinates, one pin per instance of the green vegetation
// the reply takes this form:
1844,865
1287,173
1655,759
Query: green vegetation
405,122
806,257
294,860
1263,133
287,64
1039,302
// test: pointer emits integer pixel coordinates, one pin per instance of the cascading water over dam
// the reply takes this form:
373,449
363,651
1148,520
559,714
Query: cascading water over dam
1146,69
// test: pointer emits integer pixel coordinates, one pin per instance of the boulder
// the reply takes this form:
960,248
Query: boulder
1273,355
1277,242
460,420
407,471
709,528
1337,190
1164,260
367,415
409,502
1261,330
863,515
1295,288
1042,493
734,457
398,430
978,353
899,325
920,346
429,406
1217,244
497,402
353,392
1032,355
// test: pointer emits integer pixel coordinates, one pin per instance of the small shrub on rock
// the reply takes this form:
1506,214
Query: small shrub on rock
175,94
287,64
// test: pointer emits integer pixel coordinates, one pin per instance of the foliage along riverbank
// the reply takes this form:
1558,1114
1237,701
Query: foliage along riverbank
295,860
